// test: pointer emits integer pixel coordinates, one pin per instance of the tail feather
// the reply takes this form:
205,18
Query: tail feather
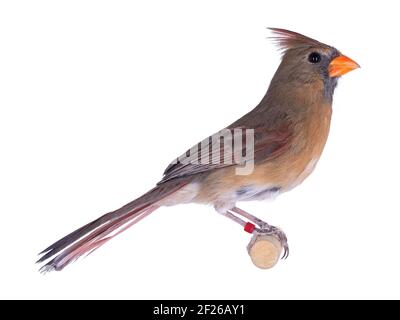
90,237
95,239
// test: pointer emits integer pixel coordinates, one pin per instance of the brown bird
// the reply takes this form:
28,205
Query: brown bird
268,151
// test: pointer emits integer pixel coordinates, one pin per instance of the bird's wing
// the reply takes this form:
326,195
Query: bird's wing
270,139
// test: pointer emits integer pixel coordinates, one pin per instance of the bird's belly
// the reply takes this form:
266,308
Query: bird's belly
256,192
271,190
226,200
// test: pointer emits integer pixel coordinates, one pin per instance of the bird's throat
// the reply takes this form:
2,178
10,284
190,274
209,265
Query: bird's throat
329,88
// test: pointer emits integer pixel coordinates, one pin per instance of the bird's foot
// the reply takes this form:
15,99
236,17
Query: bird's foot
279,234
263,228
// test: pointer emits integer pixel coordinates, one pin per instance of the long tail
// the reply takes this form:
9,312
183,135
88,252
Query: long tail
91,236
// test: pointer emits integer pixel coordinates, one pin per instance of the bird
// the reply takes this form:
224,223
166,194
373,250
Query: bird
269,151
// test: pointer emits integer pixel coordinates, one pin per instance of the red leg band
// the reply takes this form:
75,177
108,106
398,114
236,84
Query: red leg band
249,227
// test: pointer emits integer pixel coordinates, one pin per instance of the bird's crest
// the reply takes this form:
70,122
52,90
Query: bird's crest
287,40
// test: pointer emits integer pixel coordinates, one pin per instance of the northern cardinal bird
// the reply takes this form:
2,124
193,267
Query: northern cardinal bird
288,131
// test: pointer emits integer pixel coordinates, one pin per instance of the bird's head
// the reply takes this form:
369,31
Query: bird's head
306,61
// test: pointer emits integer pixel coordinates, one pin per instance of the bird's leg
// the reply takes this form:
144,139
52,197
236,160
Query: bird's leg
265,228
234,218
262,224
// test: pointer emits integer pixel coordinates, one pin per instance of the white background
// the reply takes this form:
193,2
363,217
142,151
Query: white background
97,97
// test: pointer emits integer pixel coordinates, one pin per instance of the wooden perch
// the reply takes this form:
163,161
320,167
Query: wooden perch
264,250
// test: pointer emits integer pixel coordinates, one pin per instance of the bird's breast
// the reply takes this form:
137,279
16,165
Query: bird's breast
307,146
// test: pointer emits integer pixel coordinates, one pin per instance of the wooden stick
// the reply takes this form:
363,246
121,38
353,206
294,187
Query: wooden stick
264,250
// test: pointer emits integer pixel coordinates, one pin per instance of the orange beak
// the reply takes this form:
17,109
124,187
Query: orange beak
342,65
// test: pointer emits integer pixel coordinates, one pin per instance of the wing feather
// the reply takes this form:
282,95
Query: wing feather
210,154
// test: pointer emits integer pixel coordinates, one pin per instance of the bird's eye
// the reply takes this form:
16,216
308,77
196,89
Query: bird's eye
314,57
